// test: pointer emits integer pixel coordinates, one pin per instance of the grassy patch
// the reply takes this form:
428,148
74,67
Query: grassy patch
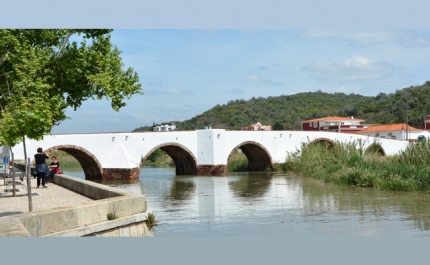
151,222
111,216
349,164
159,158
237,162
66,160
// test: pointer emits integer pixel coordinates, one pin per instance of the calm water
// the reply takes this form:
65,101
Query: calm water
269,204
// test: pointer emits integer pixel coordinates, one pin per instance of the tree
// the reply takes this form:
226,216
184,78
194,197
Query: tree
42,73
278,126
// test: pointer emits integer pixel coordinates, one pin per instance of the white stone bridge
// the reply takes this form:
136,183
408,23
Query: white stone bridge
201,152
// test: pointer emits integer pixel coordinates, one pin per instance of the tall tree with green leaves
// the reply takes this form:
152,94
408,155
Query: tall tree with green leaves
43,72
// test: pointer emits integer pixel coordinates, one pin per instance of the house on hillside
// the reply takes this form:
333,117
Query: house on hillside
334,124
257,127
394,131
164,128
427,122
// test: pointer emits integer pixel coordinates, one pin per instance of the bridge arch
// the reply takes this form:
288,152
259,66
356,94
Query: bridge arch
259,159
89,163
327,141
185,161
375,148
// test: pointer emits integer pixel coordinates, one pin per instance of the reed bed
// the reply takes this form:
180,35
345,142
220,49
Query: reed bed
237,163
158,158
66,160
349,164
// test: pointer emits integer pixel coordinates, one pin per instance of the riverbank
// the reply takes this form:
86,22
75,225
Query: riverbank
42,199
74,207
349,164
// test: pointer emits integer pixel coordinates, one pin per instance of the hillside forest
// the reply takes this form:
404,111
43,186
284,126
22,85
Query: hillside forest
286,112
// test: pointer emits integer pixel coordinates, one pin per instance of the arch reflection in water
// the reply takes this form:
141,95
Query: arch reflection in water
254,184
183,189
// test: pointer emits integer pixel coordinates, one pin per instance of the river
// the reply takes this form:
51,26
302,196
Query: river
273,204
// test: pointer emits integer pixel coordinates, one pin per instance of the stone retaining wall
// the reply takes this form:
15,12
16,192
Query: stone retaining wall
211,170
121,173
85,219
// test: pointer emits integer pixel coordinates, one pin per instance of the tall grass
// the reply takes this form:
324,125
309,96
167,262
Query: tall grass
237,163
158,158
66,160
349,164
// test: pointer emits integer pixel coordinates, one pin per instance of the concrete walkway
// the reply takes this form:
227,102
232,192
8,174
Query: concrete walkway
43,198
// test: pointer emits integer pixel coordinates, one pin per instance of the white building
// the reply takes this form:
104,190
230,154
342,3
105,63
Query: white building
164,128
257,127
334,124
394,131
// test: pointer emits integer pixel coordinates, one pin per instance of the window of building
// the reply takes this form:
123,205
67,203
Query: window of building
315,124
342,123
310,124
393,137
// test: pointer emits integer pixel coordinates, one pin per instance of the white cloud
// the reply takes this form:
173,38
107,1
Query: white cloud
263,67
259,80
177,92
357,68
155,83
150,92
236,91
253,78
405,38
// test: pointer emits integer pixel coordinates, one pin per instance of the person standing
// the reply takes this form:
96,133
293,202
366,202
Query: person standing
41,167
54,168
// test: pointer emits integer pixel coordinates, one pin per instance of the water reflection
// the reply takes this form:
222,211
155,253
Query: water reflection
132,185
250,185
182,189
274,204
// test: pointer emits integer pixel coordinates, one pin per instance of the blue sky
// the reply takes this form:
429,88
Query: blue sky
192,55
185,72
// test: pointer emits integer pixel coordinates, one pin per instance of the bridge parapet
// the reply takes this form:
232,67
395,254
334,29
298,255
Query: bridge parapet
201,152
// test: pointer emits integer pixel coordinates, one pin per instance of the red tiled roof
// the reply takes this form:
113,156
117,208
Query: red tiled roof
388,128
334,118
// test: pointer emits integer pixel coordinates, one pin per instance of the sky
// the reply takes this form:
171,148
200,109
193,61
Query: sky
253,49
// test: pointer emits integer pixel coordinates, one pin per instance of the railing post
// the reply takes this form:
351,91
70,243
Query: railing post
13,177
30,201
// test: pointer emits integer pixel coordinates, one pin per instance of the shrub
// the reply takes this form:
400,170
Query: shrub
151,222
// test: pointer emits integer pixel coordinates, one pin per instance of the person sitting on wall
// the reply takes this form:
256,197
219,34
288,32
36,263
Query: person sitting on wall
54,168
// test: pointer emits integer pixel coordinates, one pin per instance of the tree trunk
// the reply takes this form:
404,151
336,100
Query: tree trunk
25,149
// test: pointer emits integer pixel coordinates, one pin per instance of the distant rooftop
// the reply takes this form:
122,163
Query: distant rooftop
334,118
389,128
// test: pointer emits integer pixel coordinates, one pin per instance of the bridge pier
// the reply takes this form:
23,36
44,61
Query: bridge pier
211,170
121,173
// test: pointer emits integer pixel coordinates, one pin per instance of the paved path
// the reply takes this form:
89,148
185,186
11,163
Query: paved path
43,198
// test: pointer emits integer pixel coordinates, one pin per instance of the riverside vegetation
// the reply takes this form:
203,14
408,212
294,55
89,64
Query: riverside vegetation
345,164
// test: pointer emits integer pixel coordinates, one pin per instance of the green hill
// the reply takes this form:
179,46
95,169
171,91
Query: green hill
287,111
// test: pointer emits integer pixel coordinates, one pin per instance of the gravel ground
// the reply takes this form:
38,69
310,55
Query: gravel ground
43,198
